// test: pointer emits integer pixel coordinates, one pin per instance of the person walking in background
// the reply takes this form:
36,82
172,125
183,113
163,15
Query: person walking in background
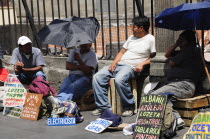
135,54
28,61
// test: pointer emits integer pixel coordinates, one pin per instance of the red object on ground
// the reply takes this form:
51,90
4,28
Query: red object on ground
3,74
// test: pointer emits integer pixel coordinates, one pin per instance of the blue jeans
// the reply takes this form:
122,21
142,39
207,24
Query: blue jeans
73,87
122,75
28,78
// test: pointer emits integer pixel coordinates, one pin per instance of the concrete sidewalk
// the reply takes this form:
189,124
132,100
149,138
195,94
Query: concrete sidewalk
13,128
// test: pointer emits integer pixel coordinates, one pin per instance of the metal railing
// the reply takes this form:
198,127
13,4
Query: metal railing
114,16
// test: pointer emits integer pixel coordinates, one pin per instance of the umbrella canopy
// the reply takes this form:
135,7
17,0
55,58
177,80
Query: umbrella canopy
188,16
70,32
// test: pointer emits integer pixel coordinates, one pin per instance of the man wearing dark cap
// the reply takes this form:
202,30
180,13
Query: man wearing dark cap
27,60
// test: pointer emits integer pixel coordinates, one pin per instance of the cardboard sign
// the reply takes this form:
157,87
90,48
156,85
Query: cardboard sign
66,121
150,116
2,92
12,111
200,127
30,113
15,93
98,125
33,100
31,108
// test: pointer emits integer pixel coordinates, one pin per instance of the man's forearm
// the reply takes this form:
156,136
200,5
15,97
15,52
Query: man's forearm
119,56
86,69
170,50
71,66
38,68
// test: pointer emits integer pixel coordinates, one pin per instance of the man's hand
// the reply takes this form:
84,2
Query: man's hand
139,68
76,57
112,67
19,66
179,41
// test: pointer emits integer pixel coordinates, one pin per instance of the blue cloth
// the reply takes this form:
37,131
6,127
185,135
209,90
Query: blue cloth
73,87
25,78
122,75
188,16
108,115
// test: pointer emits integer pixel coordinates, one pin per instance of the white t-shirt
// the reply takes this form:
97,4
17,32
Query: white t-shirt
90,59
138,49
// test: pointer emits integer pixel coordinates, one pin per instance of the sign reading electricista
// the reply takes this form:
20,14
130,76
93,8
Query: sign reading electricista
67,121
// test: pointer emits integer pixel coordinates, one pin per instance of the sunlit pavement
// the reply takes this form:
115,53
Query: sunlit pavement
13,128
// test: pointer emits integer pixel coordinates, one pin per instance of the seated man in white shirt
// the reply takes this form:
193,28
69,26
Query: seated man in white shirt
133,57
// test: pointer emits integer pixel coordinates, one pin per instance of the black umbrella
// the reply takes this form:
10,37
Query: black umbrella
70,32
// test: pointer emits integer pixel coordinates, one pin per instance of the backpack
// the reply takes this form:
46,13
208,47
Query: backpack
40,86
69,109
169,126
46,108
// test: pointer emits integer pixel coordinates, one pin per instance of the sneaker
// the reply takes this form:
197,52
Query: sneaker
97,112
180,123
127,113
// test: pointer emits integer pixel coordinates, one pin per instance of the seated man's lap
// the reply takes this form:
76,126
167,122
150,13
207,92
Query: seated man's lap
28,78
77,88
181,89
124,73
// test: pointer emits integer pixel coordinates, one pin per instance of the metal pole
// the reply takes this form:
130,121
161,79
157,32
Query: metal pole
31,24
139,7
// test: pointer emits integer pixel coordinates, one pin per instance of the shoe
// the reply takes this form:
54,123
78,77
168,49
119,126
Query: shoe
127,113
180,123
97,112
53,100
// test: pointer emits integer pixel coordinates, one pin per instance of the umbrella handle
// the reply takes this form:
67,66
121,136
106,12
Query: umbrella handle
204,64
206,69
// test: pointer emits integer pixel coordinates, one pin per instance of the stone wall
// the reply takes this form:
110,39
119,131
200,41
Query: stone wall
55,69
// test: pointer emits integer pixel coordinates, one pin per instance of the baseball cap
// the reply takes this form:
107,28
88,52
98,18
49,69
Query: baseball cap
23,40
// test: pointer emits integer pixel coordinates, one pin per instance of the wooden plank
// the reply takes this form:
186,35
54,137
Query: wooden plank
192,103
134,90
120,127
109,95
119,104
195,98
187,122
113,93
190,114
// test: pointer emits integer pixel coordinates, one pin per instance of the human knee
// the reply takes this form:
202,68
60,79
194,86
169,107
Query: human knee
97,76
40,73
120,82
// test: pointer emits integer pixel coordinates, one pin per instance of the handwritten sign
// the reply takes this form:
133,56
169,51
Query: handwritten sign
66,121
200,127
15,93
12,111
31,108
33,100
150,116
98,125
2,92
